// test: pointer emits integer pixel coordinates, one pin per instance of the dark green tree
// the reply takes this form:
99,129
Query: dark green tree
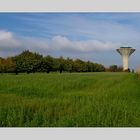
27,61
61,64
113,68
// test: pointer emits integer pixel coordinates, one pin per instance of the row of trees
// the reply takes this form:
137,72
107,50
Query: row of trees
114,68
33,62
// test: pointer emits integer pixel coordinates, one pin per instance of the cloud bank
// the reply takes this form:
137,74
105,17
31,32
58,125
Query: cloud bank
10,42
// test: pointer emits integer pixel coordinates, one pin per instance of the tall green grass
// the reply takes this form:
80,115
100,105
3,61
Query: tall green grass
70,100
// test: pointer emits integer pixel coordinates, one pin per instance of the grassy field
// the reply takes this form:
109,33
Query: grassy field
70,100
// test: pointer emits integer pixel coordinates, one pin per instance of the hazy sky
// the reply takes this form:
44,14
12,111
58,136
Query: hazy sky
88,36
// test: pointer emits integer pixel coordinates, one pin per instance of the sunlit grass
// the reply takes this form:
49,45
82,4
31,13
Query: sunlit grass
70,100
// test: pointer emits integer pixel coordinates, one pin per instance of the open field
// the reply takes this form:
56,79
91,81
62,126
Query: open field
70,100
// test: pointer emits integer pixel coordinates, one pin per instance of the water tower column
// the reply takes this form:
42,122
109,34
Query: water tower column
125,62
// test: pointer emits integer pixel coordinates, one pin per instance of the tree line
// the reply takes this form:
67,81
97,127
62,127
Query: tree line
31,62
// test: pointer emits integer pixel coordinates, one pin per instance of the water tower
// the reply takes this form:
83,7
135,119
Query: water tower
125,52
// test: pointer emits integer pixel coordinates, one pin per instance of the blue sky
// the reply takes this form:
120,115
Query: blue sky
88,36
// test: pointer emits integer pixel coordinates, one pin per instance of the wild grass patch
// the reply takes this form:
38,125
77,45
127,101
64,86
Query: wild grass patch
69,100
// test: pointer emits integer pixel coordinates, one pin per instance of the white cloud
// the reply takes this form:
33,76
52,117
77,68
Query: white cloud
64,44
9,42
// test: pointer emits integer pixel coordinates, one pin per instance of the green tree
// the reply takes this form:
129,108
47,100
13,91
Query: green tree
61,64
113,68
27,61
68,66
7,65
47,64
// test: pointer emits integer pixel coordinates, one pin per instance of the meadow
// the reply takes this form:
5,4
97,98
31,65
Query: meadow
104,99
